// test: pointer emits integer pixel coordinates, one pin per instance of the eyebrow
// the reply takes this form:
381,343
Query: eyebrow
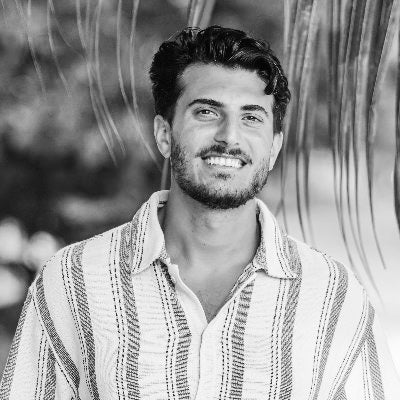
215,103
255,107
209,102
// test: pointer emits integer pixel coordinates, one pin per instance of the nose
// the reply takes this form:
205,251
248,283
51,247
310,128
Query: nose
228,132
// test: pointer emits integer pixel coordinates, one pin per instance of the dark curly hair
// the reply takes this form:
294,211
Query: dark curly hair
215,45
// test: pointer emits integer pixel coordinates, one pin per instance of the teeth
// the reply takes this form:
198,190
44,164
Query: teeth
228,162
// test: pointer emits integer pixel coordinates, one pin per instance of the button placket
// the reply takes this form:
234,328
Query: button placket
207,361
189,301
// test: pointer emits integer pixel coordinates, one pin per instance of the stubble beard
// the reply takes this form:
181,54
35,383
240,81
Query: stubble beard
216,198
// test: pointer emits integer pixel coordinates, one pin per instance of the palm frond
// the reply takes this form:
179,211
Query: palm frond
105,109
383,31
132,47
133,112
359,36
79,23
302,22
359,33
199,12
53,50
352,22
368,32
396,175
26,20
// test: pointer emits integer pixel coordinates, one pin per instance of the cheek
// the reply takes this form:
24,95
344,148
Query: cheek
260,147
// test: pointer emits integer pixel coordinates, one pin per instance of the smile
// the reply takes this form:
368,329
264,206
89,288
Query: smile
224,162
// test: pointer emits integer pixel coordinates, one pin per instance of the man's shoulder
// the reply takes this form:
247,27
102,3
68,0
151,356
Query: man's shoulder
326,279
318,265
126,247
89,254
74,273
310,255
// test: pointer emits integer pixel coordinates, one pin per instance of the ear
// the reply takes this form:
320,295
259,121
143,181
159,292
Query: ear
275,149
162,134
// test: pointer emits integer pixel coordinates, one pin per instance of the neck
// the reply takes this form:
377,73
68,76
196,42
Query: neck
199,237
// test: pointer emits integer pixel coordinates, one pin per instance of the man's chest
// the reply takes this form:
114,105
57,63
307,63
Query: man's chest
151,337
211,300
252,348
212,292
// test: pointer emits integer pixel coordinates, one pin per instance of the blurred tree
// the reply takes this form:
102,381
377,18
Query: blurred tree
76,150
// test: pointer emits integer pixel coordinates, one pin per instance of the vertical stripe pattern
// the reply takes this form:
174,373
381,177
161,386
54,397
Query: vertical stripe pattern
137,237
225,346
179,336
239,328
50,382
84,317
132,345
41,365
354,350
7,378
340,274
276,340
117,305
72,374
111,318
288,324
374,367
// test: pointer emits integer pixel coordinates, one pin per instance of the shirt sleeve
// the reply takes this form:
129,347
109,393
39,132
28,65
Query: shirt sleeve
373,375
32,371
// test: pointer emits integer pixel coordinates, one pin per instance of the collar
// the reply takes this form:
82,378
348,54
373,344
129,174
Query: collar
273,255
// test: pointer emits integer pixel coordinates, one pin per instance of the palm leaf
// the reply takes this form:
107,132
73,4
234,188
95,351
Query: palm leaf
359,36
49,14
397,133
343,38
135,8
199,12
79,23
133,112
26,20
90,42
347,152
359,123
304,90
383,32
397,176
357,58
301,27
88,21
105,109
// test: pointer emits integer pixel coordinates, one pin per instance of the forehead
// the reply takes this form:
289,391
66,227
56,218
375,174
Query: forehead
231,86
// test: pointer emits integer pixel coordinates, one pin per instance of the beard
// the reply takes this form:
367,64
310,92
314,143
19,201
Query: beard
216,197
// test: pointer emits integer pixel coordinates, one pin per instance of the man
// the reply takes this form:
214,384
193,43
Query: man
202,295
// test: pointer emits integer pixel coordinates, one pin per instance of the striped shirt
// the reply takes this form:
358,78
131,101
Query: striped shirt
110,318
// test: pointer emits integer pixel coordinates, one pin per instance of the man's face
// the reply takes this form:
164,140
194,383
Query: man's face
222,142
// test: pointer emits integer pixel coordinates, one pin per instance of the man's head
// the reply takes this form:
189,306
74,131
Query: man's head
220,98
221,46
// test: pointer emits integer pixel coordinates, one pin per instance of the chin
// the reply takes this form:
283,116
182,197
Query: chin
218,197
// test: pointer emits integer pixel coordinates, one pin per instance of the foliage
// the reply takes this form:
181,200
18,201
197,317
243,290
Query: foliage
359,34
76,69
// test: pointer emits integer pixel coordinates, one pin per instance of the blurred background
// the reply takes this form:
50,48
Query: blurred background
58,182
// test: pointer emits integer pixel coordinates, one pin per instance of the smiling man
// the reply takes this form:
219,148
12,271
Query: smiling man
223,144
203,295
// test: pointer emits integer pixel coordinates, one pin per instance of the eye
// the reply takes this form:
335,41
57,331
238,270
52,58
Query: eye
206,114
253,119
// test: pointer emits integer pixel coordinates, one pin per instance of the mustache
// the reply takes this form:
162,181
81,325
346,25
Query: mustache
224,150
